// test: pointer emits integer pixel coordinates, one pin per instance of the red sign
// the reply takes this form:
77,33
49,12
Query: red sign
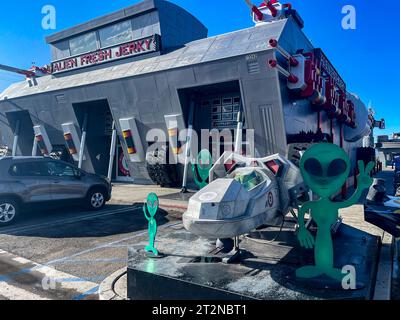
130,49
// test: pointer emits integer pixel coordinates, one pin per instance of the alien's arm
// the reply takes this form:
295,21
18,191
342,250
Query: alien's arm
352,200
364,181
302,212
145,213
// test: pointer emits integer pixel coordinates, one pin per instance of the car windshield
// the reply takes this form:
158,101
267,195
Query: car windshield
249,178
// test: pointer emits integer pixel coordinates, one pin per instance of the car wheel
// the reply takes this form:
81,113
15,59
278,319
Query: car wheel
96,199
9,211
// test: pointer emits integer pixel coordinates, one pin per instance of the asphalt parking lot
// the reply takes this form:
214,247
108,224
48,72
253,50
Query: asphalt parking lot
79,249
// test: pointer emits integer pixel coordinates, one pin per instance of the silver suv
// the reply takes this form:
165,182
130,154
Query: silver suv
29,181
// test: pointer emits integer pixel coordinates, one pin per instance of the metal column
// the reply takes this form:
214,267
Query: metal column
112,151
188,146
239,134
83,141
16,137
34,148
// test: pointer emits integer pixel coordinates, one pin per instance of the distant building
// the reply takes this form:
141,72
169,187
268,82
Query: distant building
388,148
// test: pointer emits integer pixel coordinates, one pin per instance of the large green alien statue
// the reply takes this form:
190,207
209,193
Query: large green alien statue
325,168
150,209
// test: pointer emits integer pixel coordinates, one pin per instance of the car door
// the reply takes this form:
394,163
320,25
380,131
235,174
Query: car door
32,178
66,184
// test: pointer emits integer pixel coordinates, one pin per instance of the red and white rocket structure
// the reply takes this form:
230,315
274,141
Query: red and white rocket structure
33,72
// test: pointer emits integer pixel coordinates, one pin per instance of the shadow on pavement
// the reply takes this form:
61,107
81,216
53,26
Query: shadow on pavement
80,224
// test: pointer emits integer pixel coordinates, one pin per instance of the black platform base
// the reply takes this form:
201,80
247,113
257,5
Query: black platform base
386,218
190,269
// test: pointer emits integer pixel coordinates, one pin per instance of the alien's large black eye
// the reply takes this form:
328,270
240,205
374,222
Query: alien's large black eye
337,167
313,167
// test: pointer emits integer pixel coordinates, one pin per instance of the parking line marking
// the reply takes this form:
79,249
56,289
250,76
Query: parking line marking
60,260
91,261
11,292
83,286
88,293
106,245
15,230
46,280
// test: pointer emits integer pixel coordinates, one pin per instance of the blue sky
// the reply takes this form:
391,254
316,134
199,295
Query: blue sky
365,57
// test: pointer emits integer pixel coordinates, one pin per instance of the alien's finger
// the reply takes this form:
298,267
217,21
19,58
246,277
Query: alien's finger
310,240
305,243
361,166
302,242
309,244
370,166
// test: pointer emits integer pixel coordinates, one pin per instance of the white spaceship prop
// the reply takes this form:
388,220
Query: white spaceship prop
243,194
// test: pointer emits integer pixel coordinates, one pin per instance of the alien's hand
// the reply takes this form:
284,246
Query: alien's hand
306,239
364,179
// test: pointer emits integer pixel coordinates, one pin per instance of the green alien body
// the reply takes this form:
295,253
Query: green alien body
150,210
325,168
201,171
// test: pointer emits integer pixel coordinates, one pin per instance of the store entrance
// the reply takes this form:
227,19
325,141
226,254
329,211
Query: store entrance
215,107
95,119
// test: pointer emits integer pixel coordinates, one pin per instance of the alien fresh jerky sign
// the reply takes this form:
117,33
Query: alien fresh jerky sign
150,210
201,170
325,168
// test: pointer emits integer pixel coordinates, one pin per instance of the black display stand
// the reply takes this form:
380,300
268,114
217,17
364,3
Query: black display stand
190,269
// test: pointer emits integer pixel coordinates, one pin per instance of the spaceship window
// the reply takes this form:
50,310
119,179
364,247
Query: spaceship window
250,179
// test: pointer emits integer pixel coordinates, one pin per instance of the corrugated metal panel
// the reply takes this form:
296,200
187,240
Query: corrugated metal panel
267,119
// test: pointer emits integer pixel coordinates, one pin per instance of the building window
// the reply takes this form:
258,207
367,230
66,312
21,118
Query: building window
83,44
116,34
61,50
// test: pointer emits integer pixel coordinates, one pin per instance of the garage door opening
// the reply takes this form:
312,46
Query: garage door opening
22,127
216,106
95,118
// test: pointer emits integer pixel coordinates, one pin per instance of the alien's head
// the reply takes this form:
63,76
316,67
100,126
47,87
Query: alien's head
152,204
204,160
325,168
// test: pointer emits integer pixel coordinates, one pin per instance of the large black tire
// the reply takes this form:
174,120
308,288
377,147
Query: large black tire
162,174
294,152
96,199
10,210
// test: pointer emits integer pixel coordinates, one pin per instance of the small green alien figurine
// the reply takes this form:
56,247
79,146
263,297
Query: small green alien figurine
201,170
150,209
325,168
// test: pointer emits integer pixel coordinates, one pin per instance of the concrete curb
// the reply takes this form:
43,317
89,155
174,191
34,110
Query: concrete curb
178,206
106,289
182,208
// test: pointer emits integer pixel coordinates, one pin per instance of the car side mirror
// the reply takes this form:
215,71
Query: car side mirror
79,175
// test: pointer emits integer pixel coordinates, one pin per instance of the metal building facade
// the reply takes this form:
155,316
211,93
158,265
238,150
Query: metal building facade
149,86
